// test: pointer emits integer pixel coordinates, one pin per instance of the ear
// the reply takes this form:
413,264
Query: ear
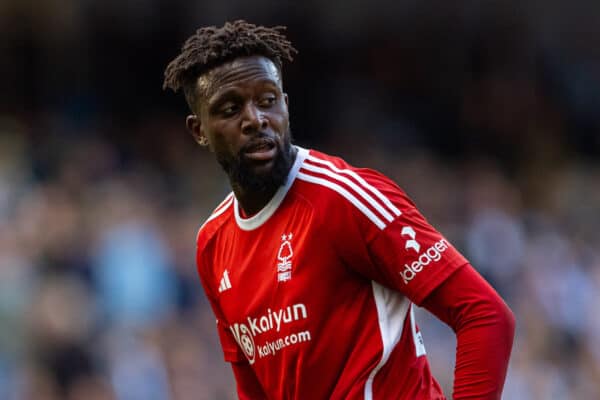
194,125
285,98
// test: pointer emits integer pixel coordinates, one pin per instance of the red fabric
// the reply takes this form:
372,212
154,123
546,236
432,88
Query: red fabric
248,387
313,295
314,292
484,327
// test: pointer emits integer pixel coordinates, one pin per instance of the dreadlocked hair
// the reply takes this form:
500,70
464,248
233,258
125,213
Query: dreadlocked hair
212,46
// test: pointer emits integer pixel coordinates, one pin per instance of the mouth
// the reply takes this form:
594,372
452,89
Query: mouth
260,150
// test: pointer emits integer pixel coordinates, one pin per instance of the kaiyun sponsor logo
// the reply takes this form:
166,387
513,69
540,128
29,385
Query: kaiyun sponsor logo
272,347
244,333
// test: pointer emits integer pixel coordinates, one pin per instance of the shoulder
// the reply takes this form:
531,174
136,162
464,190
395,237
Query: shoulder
325,170
341,186
215,221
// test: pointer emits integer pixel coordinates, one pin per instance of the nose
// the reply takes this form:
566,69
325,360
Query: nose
253,119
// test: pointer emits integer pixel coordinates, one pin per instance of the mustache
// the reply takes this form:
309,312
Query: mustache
238,167
260,140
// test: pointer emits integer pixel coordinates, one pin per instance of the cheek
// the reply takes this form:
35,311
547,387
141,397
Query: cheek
218,142
281,121
224,136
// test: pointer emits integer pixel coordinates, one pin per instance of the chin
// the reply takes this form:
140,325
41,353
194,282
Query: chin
260,177
267,177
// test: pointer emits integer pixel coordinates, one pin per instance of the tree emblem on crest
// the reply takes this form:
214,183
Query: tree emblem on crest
285,254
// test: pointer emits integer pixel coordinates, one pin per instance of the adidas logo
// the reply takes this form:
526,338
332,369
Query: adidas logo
225,282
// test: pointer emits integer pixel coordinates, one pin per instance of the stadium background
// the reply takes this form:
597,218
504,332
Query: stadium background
486,113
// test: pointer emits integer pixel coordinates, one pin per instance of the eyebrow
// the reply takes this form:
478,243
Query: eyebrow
232,93
225,95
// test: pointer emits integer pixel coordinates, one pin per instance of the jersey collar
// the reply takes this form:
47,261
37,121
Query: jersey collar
248,224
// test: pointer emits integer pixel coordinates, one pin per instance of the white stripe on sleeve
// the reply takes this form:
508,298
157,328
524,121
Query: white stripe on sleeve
334,186
365,196
359,179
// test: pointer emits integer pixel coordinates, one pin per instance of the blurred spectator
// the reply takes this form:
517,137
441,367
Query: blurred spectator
136,287
485,114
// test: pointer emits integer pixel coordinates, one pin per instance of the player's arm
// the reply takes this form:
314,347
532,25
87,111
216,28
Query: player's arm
484,327
248,387
408,254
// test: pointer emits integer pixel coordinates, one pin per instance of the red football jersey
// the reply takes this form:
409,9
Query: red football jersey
315,291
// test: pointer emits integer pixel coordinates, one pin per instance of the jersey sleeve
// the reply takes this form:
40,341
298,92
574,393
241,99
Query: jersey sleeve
484,327
231,350
404,251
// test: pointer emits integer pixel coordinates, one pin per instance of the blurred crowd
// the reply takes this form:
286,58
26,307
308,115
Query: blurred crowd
487,116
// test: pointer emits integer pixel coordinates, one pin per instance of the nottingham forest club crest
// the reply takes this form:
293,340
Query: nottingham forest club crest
284,257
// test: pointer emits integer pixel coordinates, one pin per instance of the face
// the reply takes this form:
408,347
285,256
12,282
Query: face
243,116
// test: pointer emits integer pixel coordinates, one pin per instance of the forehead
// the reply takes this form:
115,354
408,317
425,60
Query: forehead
238,72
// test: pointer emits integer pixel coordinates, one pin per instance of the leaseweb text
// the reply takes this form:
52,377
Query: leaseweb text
272,347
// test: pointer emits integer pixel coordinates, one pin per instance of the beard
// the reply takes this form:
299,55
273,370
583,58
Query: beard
241,172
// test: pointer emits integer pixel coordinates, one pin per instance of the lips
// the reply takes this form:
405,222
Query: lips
260,150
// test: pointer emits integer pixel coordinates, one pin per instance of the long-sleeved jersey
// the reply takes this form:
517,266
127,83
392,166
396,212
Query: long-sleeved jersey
316,291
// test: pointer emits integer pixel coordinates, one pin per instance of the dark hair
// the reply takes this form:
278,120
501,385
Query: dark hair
212,46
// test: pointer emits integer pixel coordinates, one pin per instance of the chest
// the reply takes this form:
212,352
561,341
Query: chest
284,284
290,261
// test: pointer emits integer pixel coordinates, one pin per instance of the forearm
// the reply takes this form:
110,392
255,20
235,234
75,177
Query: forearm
484,327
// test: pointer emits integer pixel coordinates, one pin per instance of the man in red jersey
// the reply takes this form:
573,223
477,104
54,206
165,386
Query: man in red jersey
311,265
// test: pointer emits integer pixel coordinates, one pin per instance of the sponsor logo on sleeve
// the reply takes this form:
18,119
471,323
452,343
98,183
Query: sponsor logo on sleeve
432,255
411,243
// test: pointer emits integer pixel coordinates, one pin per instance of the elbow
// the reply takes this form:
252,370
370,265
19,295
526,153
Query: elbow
502,323
493,313
507,321
510,319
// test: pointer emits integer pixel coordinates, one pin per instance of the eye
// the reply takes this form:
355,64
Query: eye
228,109
267,100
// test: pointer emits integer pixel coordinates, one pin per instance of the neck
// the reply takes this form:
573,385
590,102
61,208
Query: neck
253,201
